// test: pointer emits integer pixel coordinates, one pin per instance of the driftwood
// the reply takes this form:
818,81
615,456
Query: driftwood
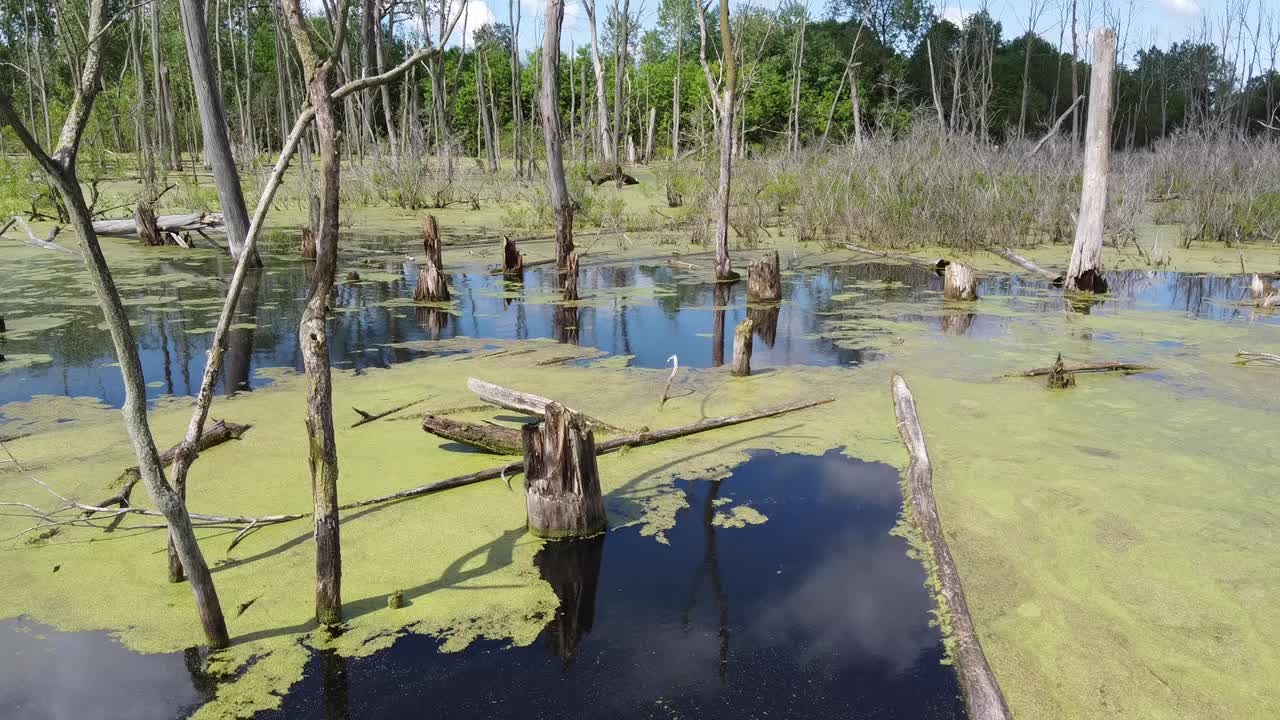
561,478
1056,279
959,282
742,349
620,177
937,265
982,695
522,402
1247,357
370,417
125,228
47,243
486,436
1086,368
764,279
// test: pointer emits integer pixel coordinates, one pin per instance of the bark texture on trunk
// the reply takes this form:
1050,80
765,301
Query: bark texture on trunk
1085,272
562,482
959,282
764,279
561,203
742,349
432,282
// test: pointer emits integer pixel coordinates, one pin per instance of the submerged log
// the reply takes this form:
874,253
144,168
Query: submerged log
144,221
522,402
433,285
1059,378
1055,279
1086,368
491,438
189,222
742,349
764,279
959,282
562,481
982,695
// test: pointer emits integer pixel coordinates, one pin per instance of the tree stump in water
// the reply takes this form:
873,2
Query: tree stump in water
512,261
764,279
308,243
562,483
148,231
571,277
1257,288
959,282
1059,378
742,349
432,284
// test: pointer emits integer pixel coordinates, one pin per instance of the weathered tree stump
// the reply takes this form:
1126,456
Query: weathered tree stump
1059,378
308,243
144,220
562,483
742,349
512,261
764,279
432,283
571,277
959,282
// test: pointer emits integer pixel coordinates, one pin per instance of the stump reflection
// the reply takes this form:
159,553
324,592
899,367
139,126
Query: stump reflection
572,568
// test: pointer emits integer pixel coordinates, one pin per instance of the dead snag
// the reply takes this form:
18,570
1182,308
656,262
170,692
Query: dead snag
571,277
1087,368
144,220
742,349
488,437
562,482
432,283
512,260
1085,272
982,695
522,402
959,282
1059,378
764,279
1055,279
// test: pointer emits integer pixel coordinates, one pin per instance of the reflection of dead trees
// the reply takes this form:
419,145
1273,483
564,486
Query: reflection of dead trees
564,320
572,569
433,321
764,321
336,689
957,322
721,295
710,567
239,358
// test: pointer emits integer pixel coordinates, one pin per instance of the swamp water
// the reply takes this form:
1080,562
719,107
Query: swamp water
1088,603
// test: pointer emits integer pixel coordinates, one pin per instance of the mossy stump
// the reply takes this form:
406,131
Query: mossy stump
742,349
764,279
562,482
959,282
395,600
1059,378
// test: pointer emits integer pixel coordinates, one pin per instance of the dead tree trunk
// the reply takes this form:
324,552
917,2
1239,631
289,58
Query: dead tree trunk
144,221
764,279
724,95
959,282
561,203
1085,272
562,482
571,277
432,283
742,349
982,695
512,260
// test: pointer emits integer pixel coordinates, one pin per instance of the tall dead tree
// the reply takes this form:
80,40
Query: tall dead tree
60,166
608,145
213,125
1085,271
724,97
620,39
561,203
517,113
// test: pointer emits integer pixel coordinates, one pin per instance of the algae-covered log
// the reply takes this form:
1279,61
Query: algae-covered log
982,695
1123,367
493,438
936,264
562,481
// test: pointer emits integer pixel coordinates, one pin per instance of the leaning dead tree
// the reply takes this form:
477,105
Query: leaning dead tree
982,695
60,167
1085,272
724,99
561,203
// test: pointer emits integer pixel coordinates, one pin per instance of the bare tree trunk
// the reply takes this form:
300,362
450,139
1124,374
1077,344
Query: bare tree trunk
675,92
933,87
213,124
517,119
795,85
619,63
380,41
724,105
1075,69
163,129
857,108
311,332
61,169
1085,271
608,146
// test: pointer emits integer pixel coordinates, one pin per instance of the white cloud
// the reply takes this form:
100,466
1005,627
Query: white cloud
955,15
1181,7
476,15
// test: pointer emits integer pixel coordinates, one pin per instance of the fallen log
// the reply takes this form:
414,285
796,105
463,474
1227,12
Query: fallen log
1247,357
522,402
48,243
936,265
370,417
1056,279
982,695
1085,368
486,436
188,222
